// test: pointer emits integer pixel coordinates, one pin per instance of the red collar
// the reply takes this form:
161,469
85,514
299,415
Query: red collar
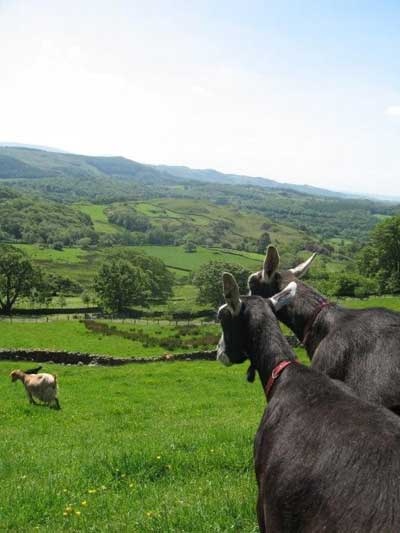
276,373
310,323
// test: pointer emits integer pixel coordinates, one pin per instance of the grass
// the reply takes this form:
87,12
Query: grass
99,218
201,213
67,255
164,448
71,302
177,258
74,336
161,448
80,265
389,302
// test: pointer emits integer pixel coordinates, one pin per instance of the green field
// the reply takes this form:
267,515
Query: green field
158,448
161,448
176,258
99,218
186,216
66,256
201,213
75,263
73,336
390,302
81,265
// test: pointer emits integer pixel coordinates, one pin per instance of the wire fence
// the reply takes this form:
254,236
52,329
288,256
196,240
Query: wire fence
134,321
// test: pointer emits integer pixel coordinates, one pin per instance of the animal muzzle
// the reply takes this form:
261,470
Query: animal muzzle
221,355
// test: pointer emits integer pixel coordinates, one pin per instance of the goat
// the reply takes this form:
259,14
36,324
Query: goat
44,387
360,347
325,460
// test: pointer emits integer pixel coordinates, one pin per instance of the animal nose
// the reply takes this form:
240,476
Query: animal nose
223,358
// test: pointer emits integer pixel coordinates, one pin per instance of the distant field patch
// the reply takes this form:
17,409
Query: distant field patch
98,216
76,263
176,257
67,255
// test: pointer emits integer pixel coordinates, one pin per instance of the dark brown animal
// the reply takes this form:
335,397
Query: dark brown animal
360,347
325,460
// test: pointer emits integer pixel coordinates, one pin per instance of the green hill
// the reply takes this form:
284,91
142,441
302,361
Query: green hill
29,163
67,210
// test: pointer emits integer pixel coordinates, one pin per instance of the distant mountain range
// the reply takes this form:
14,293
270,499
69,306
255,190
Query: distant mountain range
18,161
210,175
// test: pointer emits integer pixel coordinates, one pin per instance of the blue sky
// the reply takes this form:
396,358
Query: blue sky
304,92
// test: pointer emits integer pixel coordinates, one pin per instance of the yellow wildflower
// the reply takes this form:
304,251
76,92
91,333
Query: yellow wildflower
78,513
84,503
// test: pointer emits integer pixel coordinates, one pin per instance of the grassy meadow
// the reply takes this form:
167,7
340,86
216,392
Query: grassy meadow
81,265
155,448
149,340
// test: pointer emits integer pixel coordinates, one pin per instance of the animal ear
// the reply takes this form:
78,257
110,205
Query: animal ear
301,269
231,292
271,263
284,297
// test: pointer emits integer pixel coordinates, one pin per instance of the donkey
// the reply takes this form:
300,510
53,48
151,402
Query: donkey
324,459
360,347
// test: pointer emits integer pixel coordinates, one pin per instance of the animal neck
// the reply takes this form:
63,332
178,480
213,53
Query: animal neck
268,349
308,310
21,376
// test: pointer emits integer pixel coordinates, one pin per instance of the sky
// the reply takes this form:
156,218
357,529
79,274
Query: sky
298,91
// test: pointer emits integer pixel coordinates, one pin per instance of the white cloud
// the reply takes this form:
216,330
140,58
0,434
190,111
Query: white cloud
393,111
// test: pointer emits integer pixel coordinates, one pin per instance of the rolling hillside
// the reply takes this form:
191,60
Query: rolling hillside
68,210
19,162
71,178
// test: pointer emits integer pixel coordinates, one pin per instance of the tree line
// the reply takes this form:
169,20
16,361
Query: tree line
124,279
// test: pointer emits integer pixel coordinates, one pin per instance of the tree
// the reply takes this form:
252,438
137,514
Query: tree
160,279
341,284
86,298
190,246
263,242
208,280
119,284
380,258
61,301
84,243
127,217
17,277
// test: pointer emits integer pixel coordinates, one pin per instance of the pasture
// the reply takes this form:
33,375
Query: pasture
155,448
81,265
109,337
